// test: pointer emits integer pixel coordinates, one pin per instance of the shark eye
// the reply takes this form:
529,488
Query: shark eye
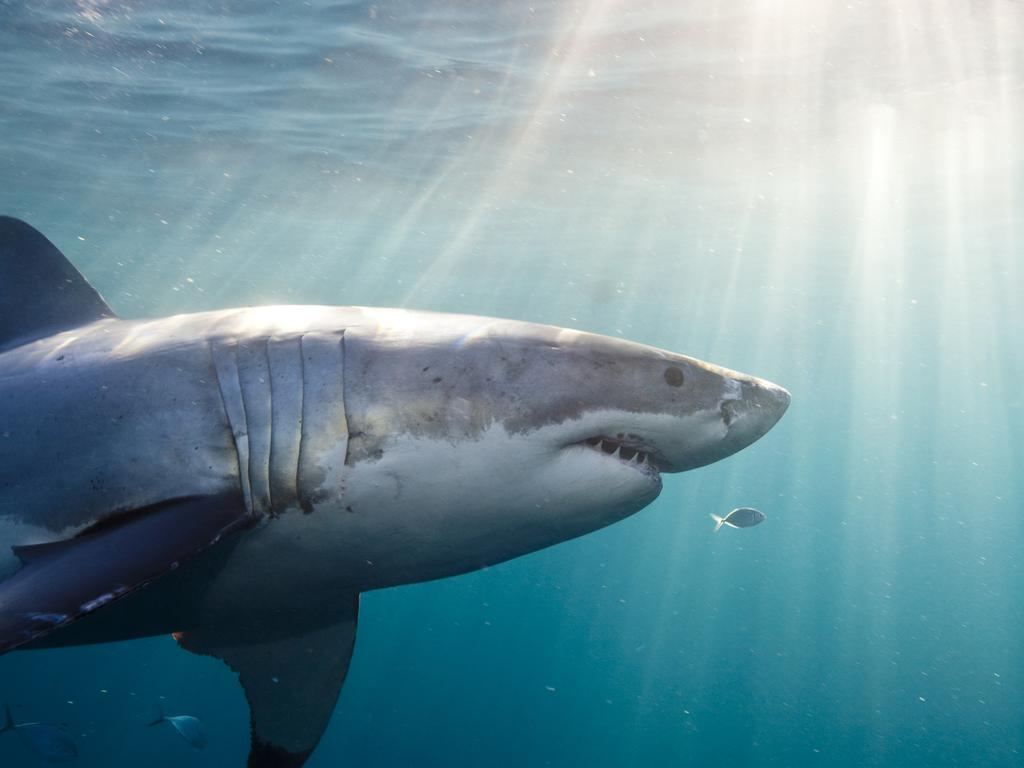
674,377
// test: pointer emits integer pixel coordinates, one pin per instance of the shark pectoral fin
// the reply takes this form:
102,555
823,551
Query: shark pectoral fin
61,582
291,684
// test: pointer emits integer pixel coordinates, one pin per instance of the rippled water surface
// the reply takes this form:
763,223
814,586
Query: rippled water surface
826,194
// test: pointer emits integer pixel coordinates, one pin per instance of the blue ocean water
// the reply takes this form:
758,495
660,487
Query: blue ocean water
826,194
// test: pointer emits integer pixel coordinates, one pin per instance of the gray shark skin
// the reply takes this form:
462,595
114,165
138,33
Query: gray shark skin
238,477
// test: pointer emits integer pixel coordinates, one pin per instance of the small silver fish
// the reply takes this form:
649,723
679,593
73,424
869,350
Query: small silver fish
741,517
50,742
190,728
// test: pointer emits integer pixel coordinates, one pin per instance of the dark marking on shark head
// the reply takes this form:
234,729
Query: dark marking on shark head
674,377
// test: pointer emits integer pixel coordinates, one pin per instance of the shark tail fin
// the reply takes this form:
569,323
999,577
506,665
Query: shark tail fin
8,719
719,521
160,715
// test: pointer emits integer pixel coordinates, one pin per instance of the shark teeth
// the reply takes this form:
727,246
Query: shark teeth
624,453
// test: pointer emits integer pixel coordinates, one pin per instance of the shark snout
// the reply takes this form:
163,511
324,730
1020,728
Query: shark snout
736,411
759,406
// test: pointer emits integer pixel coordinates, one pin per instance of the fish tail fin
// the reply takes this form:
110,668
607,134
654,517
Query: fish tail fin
8,719
160,715
719,521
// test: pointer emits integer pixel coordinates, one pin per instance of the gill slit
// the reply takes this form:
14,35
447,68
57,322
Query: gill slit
225,365
270,427
301,420
300,493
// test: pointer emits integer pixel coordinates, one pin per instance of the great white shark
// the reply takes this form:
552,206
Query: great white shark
237,478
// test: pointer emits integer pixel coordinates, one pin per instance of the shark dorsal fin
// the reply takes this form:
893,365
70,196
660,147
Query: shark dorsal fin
41,293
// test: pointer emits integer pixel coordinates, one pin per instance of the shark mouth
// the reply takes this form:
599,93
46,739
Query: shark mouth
627,454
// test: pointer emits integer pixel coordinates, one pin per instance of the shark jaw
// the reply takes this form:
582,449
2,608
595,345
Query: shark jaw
426,508
627,452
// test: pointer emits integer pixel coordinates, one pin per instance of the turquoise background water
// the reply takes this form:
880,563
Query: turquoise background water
826,194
